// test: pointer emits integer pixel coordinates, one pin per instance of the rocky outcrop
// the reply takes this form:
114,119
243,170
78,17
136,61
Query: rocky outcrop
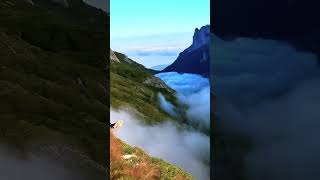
113,57
195,59
157,82
201,37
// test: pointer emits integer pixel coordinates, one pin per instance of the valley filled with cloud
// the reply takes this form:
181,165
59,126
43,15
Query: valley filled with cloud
267,91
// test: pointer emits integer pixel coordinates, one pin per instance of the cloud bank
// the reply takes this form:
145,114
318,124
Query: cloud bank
16,165
152,50
188,149
269,92
167,106
160,67
194,91
258,67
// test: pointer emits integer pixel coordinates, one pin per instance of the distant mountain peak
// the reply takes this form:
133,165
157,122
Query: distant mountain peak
200,37
194,59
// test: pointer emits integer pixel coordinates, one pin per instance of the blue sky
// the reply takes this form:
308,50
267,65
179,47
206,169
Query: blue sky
153,32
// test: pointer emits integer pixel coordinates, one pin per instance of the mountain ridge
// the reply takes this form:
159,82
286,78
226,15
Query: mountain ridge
194,59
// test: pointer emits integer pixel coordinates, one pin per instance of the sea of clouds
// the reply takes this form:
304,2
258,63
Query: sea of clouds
269,91
188,149
185,147
192,90
258,67
36,165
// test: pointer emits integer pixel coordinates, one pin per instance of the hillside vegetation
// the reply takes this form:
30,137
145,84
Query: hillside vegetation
141,166
127,88
53,75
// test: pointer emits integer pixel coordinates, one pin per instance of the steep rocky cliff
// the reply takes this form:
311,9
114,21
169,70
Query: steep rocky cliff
195,59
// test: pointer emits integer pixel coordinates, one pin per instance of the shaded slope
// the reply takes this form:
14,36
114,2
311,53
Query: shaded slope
134,87
195,62
194,59
53,76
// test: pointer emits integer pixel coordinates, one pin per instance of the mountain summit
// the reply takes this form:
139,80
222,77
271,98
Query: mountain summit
195,59
201,37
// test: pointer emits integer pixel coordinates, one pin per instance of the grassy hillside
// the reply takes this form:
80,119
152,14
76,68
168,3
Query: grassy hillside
141,166
53,75
127,89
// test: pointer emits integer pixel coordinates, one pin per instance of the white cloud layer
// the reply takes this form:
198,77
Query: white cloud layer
194,91
257,67
187,149
35,165
269,91
166,106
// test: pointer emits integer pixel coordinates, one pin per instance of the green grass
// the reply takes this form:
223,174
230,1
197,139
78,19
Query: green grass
54,75
127,89
167,170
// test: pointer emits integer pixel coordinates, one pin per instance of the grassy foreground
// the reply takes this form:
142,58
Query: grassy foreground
141,166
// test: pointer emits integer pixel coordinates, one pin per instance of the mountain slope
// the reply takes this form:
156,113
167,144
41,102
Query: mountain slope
195,59
141,165
53,76
133,85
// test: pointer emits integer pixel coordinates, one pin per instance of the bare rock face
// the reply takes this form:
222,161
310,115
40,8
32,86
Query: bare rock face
201,37
157,82
195,59
113,57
